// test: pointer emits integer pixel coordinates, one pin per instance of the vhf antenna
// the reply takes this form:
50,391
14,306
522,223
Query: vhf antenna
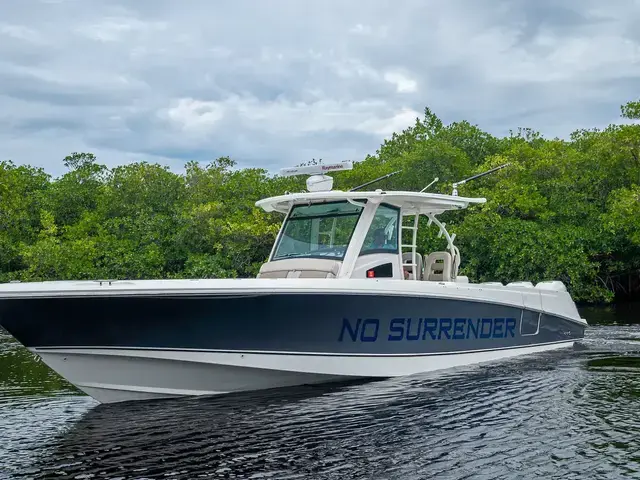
462,182
374,181
434,181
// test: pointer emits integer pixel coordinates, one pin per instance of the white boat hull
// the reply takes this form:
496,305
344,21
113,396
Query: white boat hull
117,375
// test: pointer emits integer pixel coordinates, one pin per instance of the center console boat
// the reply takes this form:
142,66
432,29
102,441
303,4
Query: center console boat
346,293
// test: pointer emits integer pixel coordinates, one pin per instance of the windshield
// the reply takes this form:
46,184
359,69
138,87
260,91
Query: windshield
320,230
383,232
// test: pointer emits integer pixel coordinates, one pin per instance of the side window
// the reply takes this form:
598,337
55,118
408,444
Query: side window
382,236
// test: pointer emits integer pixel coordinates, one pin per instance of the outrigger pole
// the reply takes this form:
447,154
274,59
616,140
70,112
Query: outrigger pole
462,182
374,181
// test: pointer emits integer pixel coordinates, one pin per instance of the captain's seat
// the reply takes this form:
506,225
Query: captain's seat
406,265
437,267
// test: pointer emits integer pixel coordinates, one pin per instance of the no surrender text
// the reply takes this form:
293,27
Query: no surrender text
425,329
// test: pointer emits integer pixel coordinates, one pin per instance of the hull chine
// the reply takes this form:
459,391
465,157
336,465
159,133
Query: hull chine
118,375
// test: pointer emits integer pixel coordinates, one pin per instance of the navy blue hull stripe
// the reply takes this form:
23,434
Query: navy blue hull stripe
224,296
308,324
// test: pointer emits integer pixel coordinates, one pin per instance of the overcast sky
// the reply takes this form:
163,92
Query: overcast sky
274,83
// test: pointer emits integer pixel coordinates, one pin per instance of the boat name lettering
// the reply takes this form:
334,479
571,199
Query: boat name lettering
412,329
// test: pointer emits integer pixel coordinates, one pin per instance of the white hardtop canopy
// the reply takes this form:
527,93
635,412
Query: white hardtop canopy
410,202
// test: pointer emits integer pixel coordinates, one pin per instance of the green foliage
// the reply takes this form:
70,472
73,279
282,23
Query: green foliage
631,110
567,210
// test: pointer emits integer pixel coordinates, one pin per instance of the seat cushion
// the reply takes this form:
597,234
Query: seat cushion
300,268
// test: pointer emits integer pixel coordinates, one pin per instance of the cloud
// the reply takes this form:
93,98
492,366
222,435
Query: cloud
191,115
276,83
369,30
21,33
284,118
118,29
403,83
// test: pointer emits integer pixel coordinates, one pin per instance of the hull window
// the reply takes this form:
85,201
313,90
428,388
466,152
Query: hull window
530,323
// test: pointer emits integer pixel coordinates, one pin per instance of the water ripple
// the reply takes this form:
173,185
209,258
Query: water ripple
570,414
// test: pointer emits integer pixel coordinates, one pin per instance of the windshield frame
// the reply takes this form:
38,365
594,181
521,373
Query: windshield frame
289,218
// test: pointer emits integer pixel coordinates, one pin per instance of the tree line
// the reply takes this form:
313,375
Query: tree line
566,209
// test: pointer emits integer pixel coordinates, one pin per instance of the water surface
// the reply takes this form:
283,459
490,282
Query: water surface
568,414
